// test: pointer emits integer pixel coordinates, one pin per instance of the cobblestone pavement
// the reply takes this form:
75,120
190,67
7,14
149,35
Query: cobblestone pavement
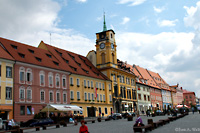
190,123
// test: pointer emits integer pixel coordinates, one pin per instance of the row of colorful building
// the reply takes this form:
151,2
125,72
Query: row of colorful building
33,77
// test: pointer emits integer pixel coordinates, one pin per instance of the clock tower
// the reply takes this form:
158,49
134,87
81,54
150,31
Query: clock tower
106,48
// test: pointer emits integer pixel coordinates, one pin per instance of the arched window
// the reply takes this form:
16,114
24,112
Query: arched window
103,58
113,58
42,78
22,75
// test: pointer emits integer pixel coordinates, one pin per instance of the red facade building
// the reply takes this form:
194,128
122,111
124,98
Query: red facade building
189,98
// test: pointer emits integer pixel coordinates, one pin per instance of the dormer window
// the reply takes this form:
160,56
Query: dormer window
38,59
21,55
56,63
48,55
73,68
67,61
31,51
15,47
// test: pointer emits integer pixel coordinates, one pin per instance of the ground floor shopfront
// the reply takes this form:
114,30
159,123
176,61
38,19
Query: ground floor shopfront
123,106
143,107
94,109
6,112
156,105
167,106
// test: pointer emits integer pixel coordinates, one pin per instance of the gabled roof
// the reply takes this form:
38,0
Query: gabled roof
4,54
32,55
74,63
159,80
188,92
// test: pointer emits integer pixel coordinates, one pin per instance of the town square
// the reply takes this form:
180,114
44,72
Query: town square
99,66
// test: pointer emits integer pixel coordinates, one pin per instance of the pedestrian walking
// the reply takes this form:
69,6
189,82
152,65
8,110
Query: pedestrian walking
83,128
9,125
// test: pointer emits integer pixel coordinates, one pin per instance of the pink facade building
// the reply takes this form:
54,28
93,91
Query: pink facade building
39,79
189,98
179,95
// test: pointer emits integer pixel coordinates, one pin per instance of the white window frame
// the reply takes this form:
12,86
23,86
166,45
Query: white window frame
41,96
64,78
50,75
85,85
58,100
71,81
29,70
42,73
64,93
22,69
10,72
104,98
96,84
29,89
110,98
57,80
23,89
103,86
50,96
8,95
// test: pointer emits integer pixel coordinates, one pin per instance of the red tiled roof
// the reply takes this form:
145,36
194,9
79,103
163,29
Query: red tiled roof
186,91
32,55
75,63
4,54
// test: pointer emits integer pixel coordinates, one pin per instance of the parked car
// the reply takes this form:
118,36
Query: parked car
27,123
117,116
42,122
125,115
159,112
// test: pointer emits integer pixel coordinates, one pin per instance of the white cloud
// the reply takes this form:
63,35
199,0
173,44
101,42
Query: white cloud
158,9
168,23
31,21
81,1
125,20
131,2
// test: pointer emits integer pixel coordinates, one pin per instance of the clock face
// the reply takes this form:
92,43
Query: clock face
102,45
112,46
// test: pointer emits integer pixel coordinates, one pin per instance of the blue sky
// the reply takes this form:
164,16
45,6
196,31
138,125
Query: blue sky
160,35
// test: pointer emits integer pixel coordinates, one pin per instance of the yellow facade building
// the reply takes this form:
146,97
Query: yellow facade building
124,91
6,85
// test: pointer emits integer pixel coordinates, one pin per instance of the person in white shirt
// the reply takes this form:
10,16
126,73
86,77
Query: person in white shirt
9,125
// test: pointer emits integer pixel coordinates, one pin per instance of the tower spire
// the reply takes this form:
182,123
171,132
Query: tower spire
104,23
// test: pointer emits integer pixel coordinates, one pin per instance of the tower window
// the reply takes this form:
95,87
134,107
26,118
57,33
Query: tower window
111,35
103,58
113,57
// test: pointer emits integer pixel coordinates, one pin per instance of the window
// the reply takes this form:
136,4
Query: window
78,95
51,80
114,77
148,98
8,93
143,88
97,85
51,96
91,84
100,97
42,98
139,96
72,95
85,94
104,98
109,87
22,76
103,86
123,79
84,83
100,85
110,98
22,110
92,97
8,72
89,96
42,79
71,81
22,94
64,81
145,98
29,94
64,97
186,97
100,110
88,84
29,111
29,75
78,82
106,112
113,58
58,96
97,97
103,58
190,97
57,80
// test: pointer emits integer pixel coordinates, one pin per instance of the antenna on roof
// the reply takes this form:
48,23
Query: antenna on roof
50,38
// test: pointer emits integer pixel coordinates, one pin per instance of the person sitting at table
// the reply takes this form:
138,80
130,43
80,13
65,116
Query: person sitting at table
138,121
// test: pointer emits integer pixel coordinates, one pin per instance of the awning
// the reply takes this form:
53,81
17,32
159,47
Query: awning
60,108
